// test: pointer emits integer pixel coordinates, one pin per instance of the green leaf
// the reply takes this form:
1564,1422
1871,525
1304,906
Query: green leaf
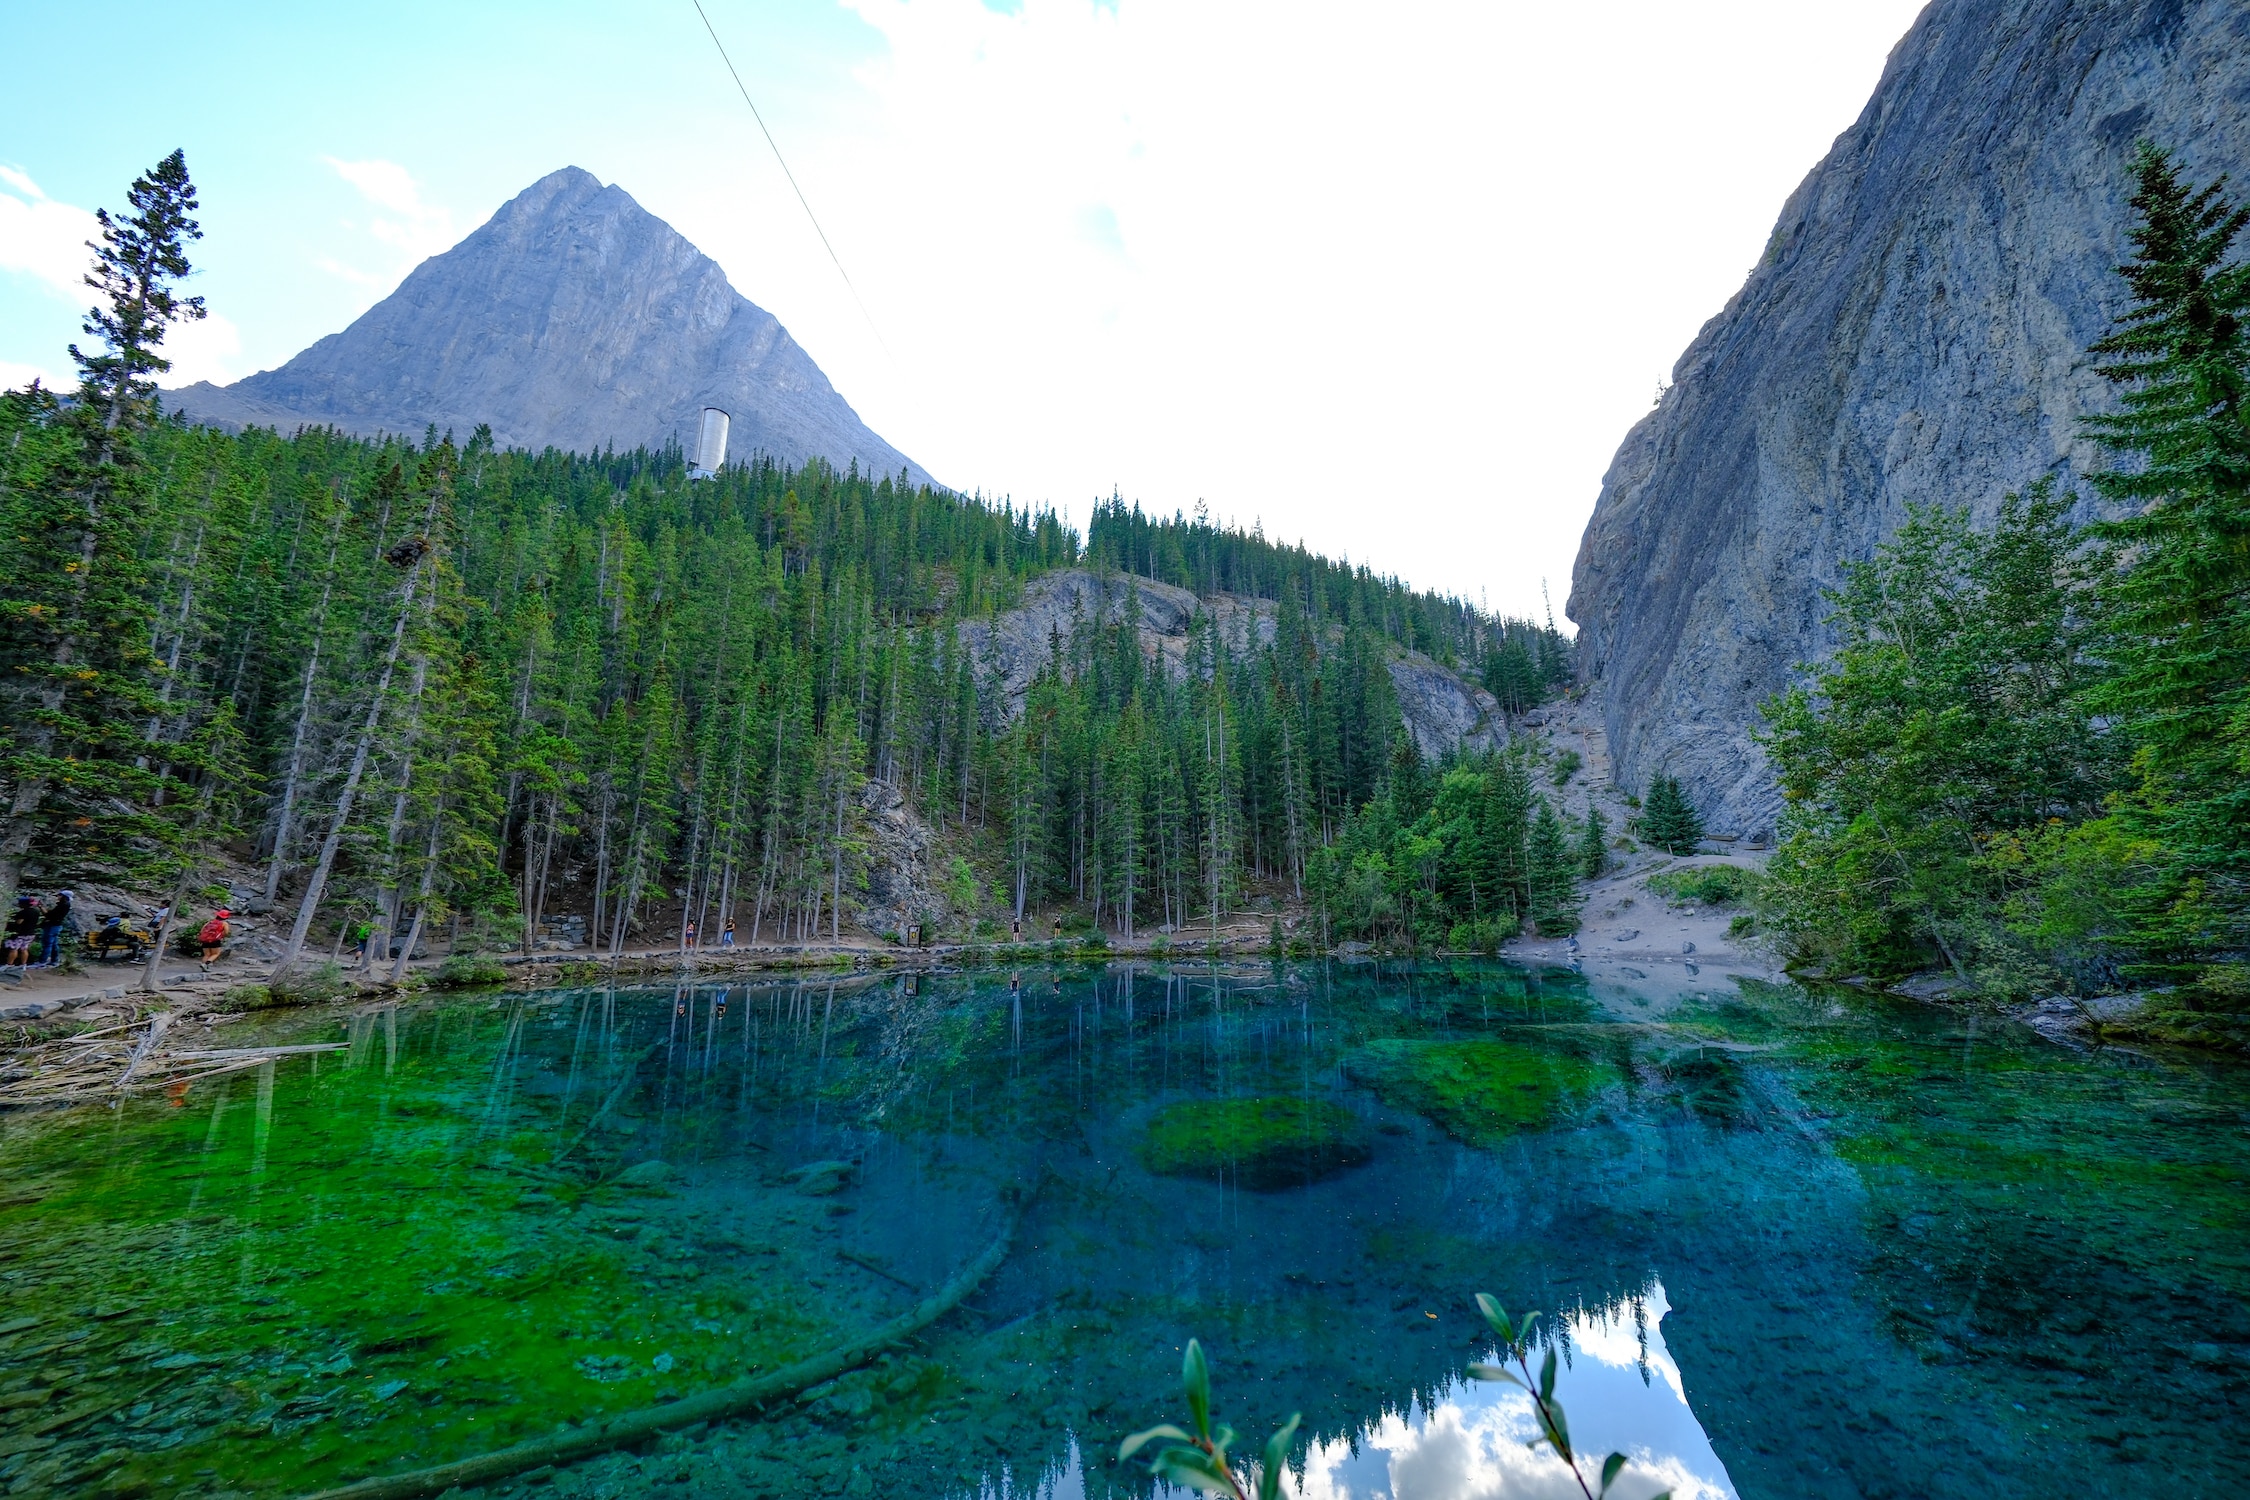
1558,1430
1547,1376
1195,1376
1496,1372
1277,1458
1140,1440
1497,1316
1610,1466
1194,1468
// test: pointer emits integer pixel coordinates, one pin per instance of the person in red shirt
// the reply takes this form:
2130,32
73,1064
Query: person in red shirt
214,936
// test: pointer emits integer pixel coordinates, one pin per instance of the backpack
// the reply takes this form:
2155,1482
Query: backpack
214,931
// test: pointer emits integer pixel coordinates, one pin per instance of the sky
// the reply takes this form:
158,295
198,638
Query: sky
1394,280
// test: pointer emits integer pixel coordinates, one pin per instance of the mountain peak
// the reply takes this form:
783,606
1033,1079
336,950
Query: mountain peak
573,318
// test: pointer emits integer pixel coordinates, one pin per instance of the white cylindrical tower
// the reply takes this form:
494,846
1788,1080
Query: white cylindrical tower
711,441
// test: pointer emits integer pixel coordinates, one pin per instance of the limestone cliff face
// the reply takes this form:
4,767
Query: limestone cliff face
1914,333
574,319
1441,709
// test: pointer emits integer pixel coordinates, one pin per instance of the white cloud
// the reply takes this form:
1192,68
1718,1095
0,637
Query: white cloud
47,241
415,230
204,350
14,377
1399,278
42,238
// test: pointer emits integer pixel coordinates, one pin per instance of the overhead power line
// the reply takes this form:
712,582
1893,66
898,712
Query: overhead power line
800,192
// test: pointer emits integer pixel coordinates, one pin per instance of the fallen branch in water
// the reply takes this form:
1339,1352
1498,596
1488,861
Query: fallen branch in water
104,1064
726,1401
157,1024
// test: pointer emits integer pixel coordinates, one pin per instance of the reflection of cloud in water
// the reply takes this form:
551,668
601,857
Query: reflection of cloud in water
1620,1390
1620,1394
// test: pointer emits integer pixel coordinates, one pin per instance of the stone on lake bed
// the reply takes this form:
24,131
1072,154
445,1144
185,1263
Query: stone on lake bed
820,1178
1260,1143
653,1173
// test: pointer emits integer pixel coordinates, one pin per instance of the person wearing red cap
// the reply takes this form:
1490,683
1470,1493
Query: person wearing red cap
214,935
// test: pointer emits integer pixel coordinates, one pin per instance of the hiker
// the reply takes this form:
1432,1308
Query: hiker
113,933
51,924
23,925
214,936
360,935
726,934
687,936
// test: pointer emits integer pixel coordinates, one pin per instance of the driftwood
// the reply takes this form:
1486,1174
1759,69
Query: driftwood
726,1401
157,1025
104,1064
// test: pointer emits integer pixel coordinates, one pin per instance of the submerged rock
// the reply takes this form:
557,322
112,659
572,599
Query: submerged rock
1480,1092
821,1178
1259,1143
649,1174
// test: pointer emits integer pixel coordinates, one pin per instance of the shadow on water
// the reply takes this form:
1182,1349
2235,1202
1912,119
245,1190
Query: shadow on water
1793,1243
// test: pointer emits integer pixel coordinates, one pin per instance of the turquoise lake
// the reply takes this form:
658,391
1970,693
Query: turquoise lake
1788,1243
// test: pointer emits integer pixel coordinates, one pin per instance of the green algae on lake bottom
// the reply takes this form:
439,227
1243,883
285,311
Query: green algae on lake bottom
1480,1092
1856,1221
1261,1143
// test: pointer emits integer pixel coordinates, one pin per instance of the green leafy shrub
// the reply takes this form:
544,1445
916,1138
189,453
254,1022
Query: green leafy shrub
1712,885
248,997
468,970
308,984
1566,766
1481,937
1261,1143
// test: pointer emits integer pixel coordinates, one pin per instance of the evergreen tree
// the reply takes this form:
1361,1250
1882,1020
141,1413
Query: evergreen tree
1553,870
2174,604
1593,845
1668,820
80,767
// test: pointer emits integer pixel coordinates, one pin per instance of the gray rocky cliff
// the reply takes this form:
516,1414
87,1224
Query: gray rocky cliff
1440,708
573,319
1914,333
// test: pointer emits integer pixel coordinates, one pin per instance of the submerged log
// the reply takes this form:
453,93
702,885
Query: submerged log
726,1401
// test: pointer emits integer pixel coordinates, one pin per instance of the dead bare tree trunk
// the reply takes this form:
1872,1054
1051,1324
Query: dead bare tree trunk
282,828
318,885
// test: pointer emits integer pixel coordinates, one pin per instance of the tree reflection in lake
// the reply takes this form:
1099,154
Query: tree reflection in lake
1802,1245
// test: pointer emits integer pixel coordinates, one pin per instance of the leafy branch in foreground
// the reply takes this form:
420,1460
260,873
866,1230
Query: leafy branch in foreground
1199,1459
1554,1430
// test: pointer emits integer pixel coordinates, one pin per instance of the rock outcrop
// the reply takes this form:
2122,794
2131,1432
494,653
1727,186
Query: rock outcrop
1914,333
1442,710
574,319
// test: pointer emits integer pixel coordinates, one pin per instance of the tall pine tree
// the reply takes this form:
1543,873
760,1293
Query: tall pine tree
2174,607
79,766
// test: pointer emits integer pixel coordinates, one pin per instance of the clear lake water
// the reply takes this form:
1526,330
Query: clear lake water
1786,1243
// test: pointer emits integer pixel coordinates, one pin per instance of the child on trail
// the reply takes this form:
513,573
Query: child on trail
687,936
23,925
360,935
214,936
